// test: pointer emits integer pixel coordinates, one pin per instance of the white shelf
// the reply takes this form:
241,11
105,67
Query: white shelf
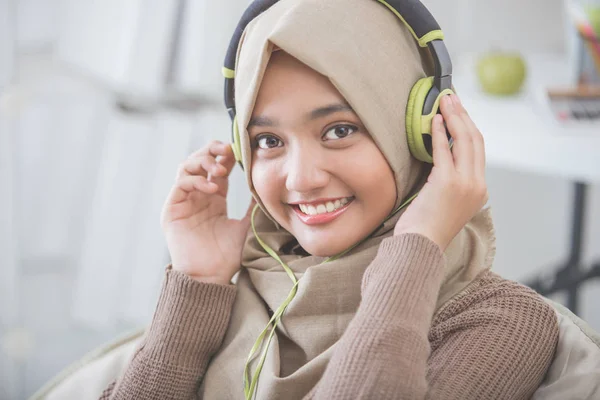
520,132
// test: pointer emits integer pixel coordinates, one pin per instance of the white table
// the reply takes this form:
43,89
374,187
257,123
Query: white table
521,134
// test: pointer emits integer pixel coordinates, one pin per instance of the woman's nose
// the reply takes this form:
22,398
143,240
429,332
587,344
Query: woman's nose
305,171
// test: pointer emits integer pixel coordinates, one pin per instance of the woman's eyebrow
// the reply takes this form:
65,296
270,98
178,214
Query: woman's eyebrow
330,109
261,120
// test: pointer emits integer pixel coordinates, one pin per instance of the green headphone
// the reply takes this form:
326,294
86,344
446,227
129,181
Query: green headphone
423,104
424,97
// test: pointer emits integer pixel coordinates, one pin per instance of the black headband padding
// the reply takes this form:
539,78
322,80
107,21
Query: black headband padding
256,8
416,15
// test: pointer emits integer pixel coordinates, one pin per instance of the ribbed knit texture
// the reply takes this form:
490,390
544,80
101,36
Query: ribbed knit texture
187,329
383,353
495,340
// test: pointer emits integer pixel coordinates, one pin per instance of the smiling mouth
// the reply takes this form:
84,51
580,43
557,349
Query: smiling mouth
325,207
321,213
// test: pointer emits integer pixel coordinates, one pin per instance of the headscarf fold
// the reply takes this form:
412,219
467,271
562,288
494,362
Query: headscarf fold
373,61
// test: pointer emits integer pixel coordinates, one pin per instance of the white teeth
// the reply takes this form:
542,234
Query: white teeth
322,208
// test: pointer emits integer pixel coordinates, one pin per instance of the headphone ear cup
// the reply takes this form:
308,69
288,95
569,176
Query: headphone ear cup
414,113
236,146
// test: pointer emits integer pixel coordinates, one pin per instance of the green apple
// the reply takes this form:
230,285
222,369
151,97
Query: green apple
501,73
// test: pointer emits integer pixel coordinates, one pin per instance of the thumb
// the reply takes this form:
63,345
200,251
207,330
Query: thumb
246,221
250,208
248,215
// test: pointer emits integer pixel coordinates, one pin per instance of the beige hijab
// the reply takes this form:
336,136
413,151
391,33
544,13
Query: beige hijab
373,60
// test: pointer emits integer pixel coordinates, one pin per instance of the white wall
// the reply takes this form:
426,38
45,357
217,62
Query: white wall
481,25
7,42
37,22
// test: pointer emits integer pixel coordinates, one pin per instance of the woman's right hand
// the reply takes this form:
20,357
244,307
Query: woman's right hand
203,242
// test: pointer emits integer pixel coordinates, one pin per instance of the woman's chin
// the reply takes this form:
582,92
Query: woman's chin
323,247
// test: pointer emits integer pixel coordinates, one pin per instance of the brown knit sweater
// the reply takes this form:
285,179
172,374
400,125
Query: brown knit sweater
495,340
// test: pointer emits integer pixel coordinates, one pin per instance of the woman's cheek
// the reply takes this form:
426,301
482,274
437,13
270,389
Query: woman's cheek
266,183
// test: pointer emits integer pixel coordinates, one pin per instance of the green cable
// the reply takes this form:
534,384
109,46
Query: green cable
250,387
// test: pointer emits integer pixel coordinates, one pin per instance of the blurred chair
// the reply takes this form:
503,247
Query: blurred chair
574,373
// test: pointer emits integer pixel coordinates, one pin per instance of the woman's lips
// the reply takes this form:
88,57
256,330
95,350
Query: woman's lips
320,218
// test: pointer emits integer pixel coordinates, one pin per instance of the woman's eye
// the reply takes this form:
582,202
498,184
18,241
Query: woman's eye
339,132
268,142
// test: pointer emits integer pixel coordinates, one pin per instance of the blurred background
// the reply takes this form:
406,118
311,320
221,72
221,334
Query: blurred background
100,101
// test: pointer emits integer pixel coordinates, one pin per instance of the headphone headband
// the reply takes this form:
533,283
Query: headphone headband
417,18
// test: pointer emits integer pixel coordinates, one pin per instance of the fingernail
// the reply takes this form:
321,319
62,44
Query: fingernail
449,101
455,99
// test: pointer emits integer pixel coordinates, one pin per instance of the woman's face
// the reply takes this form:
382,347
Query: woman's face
314,165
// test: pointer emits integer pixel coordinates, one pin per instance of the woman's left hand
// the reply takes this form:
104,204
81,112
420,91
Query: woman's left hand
455,190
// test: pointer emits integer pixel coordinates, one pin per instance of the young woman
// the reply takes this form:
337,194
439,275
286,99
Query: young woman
350,294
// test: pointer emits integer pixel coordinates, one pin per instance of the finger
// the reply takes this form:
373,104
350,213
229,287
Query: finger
462,150
214,148
464,115
221,177
459,105
442,156
227,160
200,165
210,153
188,184
479,150
478,142
250,208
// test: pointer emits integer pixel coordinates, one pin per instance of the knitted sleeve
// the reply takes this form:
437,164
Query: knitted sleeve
495,342
495,345
188,327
